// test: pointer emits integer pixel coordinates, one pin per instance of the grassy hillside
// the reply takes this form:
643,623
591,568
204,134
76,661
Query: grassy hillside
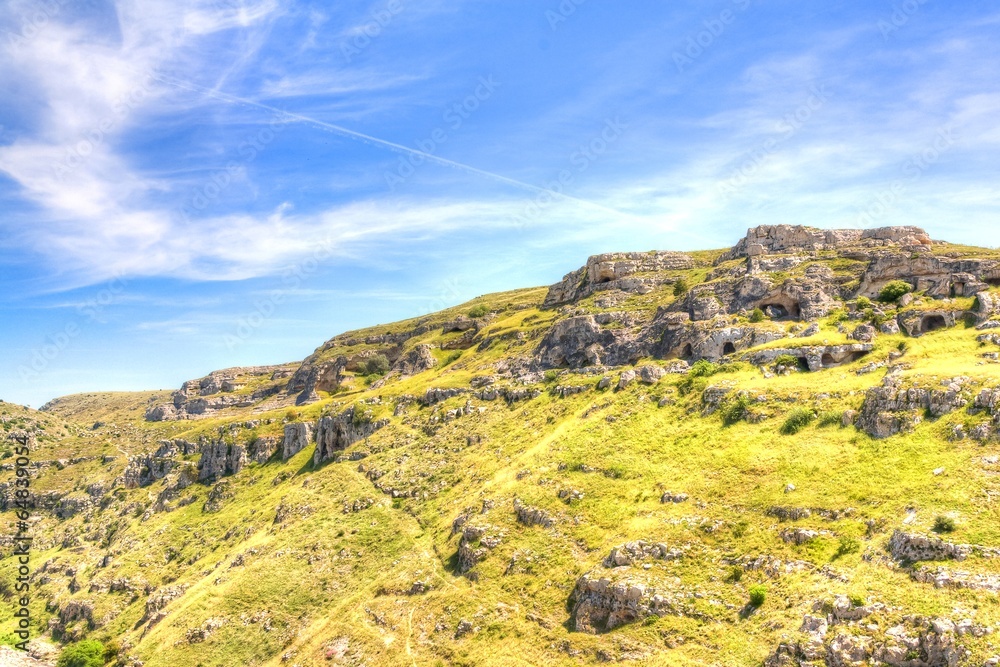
360,560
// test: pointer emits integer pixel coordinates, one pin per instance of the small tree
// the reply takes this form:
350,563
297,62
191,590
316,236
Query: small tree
894,290
864,302
944,524
482,310
757,315
88,653
377,365
680,287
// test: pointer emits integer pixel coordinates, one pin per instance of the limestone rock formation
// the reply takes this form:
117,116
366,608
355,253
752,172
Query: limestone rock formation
619,271
335,434
297,437
417,360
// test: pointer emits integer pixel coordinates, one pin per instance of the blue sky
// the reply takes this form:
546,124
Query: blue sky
193,184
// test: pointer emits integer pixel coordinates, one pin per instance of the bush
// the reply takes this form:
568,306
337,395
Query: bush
680,287
758,594
757,315
857,600
894,290
787,360
88,653
831,418
482,310
797,420
703,368
944,524
550,376
377,365
864,302
736,410
847,545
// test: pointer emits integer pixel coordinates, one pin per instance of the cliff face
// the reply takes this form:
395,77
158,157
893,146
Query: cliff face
738,457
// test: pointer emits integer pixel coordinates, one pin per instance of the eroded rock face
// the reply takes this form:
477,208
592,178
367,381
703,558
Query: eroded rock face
917,642
477,541
574,342
894,408
214,392
417,360
910,547
311,378
916,323
335,434
617,271
779,239
220,459
816,357
297,437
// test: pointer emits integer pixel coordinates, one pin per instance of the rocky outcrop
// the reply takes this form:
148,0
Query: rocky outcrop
784,239
574,342
815,357
216,391
335,434
911,547
313,377
603,601
918,322
219,459
631,553
627,272
417,360
917,642
476,543
296,438
894,408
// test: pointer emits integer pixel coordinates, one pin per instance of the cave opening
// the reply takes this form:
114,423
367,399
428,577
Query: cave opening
933,323
728,348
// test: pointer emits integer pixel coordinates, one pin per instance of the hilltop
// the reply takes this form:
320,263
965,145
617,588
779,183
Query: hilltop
781,453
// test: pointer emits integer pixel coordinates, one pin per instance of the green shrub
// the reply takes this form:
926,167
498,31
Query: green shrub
894,290
452,358
736,410
88,653
703,368
482,310
944,524
680,287
550,376
735,574
830,418
857,600
864,302
847,545
758,594
797,420
787,360
377,365
757,315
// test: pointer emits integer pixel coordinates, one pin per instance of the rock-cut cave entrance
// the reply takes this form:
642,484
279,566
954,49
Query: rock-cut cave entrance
782,311
933,323
728,348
